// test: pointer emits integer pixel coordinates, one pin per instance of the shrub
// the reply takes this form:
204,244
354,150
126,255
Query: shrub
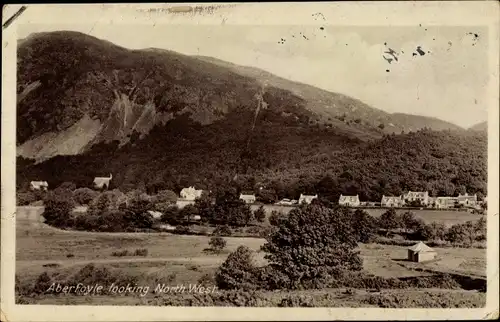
207,280
390,220
58,208
42,283
141,252
260,214
217,244
165,196
364,226
182,230
120,253
462,233
276,217
67,186
83,196
238,271
25,198
171,214
410,222
108,200
224,231
312,244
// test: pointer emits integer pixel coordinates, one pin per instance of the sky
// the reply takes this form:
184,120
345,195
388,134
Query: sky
448,81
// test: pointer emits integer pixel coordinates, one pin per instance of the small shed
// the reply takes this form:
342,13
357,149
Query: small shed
420,252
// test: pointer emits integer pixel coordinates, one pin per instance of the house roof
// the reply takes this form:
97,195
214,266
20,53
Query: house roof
101,180
349,198
247,196
308,196
420,247
419,194
39,183
391,198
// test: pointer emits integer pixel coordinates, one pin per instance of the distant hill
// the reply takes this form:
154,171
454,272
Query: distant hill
483,126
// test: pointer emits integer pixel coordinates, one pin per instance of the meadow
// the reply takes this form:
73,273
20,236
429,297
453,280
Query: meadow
181,259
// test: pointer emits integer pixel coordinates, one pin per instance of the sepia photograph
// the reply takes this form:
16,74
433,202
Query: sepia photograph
191,159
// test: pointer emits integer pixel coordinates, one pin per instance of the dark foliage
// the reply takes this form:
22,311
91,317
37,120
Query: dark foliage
312,244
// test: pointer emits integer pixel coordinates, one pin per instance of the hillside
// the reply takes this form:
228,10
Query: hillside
76,91
328,105
210,157
482,127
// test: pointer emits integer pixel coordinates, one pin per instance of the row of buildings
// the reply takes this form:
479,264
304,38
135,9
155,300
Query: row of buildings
415,198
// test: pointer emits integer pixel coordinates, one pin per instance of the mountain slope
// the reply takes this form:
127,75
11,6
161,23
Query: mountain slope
72,84
334,105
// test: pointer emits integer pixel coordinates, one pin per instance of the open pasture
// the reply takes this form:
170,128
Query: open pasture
38,244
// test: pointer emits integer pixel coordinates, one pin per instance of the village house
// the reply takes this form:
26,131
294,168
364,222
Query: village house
445,202
155,214
39,185
102,182
420,252
248,198
307,198
412,196
467,200
349,201
391,201
190,193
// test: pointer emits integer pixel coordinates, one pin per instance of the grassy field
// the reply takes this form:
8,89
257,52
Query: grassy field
445,217
177,259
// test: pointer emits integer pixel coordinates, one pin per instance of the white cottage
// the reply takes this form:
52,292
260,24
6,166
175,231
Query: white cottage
467,200
445,202
391,201
248,198
39,185
307,198
190,193
349,201
102,182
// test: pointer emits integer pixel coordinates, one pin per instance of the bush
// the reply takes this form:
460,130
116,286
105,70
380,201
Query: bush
67,186
107,201
224,231
165,196
171,214
207,280
312,244
120,253
141,252
260,214
25,198
83,196
58,208
364,226
276,217
390,220
238,271
181,230
217,244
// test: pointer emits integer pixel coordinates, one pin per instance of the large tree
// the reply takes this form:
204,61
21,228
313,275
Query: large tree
313,244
